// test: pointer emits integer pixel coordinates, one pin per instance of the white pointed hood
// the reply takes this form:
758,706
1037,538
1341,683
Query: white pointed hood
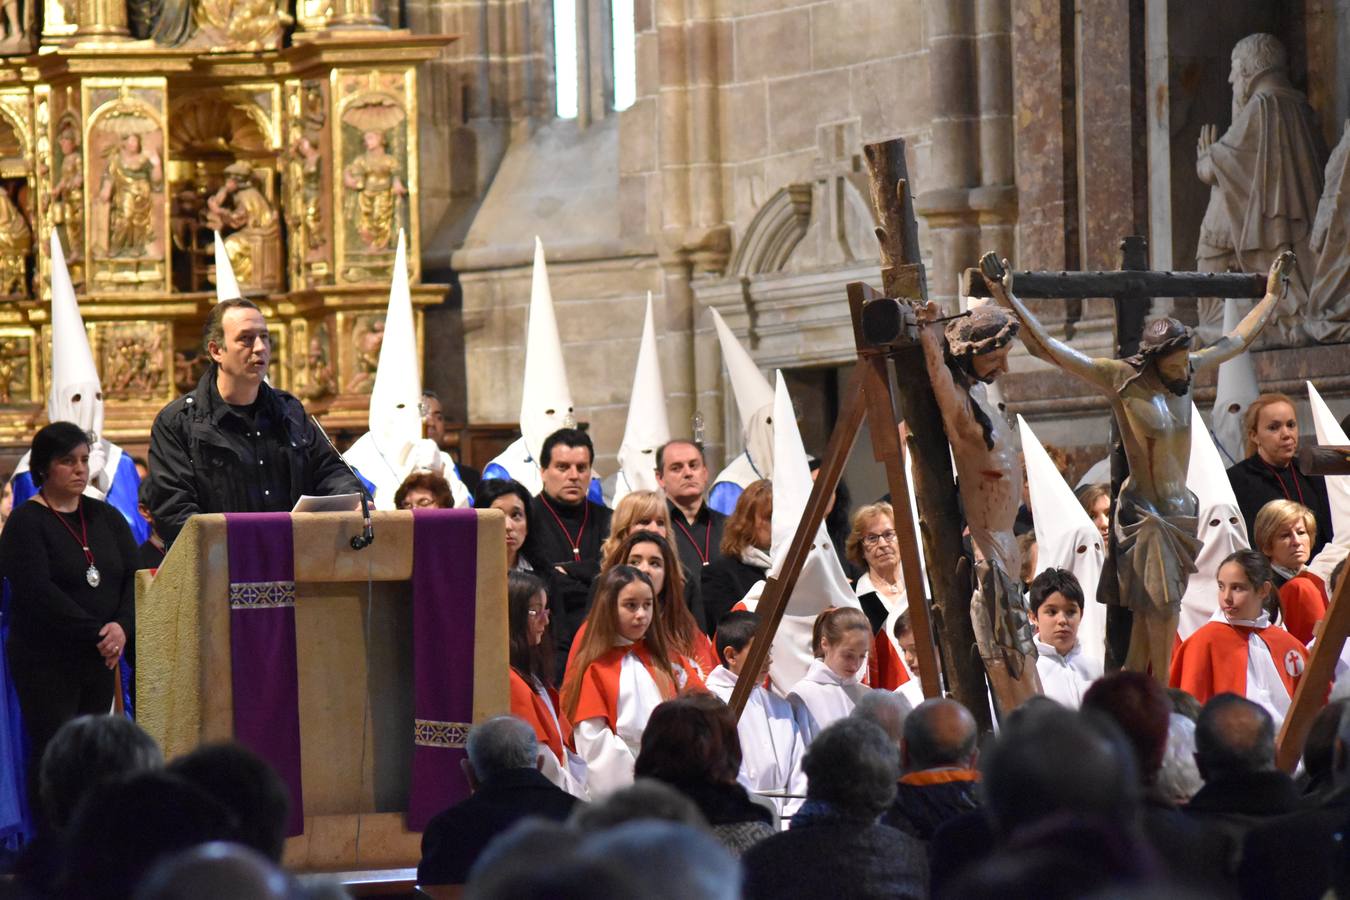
822,582
395,399
1235,391
1065,538
1330,433
1221,530
754,398
76,394
648,424
227,287
546,399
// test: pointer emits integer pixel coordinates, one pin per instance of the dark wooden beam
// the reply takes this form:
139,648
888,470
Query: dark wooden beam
1122,285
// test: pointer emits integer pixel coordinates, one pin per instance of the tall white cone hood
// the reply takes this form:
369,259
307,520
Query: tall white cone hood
754,398
1330,433
76,394
546,399
1234,392
1065,538
822,583
1222,529
648,424
395,399
227,287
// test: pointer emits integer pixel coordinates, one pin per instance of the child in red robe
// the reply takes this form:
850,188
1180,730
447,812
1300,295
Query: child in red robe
622,670
533,697
1238,650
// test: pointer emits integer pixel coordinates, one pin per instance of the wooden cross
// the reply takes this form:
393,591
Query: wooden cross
1132,288
872,393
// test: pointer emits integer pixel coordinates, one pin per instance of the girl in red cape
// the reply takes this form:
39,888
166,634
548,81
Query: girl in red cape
1238,651
622,670
533,697
1285,532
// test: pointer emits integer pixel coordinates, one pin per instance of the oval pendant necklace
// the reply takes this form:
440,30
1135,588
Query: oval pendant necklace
91,574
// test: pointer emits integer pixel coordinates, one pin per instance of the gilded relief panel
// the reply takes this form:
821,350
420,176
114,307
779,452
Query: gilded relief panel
308,167
16,196
18,367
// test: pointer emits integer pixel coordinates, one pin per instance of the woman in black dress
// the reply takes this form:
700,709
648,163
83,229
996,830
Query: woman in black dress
70,562
744,559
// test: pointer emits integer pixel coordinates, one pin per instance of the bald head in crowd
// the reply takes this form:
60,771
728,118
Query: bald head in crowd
1234,736
216,871
939,734
885,709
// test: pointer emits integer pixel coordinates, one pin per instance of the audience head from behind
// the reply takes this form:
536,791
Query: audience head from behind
553,871
670,860
885,709
645,798
1285,531
851,768
499,745
247,786
1184,703
123,828
530,625
1056,602
1319,750
85,752
841,639
511,497
1139,706
565,465
690,740
735,635
939,734
1234,737
423,490
1049,761
216,871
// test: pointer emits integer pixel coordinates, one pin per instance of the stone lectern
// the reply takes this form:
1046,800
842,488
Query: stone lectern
355,673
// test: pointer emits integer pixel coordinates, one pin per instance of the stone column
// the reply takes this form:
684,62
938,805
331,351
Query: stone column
995,200
102,19
595,61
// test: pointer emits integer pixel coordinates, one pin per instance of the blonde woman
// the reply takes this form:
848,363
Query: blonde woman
647,511
1285,532
872,546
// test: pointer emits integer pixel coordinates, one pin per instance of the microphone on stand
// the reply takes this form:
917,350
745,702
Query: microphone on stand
367,535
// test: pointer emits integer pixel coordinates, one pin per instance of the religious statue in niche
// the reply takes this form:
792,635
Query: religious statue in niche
319,378
1265,176
13,368
16,242
304,190
67,197
132,176
1330,240
212,25
970,353
1150,397
18,29
250,227
133,360
376,204
367,339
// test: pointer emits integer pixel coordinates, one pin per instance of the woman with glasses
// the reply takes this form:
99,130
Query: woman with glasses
533,697
424,490
872,546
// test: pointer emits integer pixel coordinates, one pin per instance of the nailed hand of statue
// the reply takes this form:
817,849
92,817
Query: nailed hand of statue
1280,270
927,312
996,271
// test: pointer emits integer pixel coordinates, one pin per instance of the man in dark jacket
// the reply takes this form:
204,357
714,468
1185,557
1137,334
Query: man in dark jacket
236,444
938,756
1235,751
502,769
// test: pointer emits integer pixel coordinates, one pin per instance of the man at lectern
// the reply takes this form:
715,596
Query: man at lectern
237,444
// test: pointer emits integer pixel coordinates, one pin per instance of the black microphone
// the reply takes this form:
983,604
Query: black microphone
367,535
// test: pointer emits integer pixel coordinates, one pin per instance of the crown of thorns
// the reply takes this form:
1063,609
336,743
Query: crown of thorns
984,330
1161,337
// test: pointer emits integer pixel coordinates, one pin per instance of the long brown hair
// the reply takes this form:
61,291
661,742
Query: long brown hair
672,613
755,501
1252,417
602,635
636,506
534,662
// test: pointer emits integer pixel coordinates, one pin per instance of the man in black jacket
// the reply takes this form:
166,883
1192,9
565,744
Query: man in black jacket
236,444
502,769
940,781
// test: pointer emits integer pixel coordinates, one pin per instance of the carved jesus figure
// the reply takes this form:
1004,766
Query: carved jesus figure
1150,396
962,358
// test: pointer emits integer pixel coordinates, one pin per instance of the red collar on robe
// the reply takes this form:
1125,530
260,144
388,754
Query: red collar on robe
1214,659
885,669
599,695
528,705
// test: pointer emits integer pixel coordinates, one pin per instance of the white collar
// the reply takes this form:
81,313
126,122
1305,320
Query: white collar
1045,649
820,673
1260,622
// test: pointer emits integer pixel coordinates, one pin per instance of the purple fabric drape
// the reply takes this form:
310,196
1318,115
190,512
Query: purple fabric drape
445,553
263,667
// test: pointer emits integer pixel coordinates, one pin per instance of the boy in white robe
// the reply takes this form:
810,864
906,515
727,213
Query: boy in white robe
771,744
1056,602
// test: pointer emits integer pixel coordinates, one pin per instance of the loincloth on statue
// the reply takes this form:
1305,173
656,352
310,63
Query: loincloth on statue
998,613
1155,556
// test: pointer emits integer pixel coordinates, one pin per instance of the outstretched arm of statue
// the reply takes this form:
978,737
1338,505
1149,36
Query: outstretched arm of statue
1241,337
953,402
1043,345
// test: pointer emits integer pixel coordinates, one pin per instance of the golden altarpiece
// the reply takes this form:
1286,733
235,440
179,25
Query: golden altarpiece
135,129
